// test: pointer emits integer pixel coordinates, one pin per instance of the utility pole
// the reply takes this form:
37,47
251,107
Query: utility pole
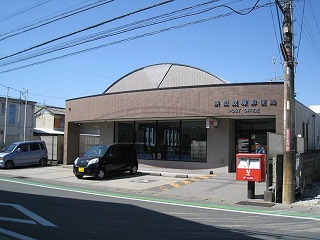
25,116
274,69
5,119
288,195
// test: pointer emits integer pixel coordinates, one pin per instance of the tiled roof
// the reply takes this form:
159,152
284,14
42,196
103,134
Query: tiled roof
56,110
53,110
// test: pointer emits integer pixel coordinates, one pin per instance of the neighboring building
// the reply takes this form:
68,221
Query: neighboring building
17,127
50,120
183,117
50,128
315,108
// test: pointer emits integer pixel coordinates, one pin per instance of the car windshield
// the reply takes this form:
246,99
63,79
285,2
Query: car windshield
96,151
9,148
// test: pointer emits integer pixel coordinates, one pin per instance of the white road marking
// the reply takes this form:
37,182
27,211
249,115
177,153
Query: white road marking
28,213
159,201
6,219
15,235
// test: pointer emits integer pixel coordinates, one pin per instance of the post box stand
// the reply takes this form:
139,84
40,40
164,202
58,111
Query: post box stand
251,168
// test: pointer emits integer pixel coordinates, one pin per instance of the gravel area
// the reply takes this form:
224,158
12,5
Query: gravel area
310,196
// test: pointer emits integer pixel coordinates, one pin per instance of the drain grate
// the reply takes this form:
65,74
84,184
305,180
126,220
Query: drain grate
257,204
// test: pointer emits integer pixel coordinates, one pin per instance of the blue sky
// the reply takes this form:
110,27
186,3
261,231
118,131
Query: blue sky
236,48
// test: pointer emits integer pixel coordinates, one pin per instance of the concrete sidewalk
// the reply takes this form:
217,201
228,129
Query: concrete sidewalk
219,186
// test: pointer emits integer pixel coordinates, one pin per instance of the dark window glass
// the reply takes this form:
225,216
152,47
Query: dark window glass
250,124
168,140
194,141
24,147
125,132
145,143
34,146
12,115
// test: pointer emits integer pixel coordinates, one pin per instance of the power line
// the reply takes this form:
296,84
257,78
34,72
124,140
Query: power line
275,32
298,47
53,19
118,30
185,12
314,17
308,33
88,28
20,91
133,38
24,10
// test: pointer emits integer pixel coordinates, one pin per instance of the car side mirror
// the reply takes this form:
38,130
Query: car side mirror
19,150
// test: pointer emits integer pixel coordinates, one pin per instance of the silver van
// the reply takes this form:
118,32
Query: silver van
23,154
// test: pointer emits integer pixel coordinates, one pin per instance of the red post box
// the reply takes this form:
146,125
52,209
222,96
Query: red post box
251,167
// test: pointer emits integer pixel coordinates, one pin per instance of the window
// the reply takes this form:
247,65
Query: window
194,141
24,147
178,140
12,115
3,108
34,146
125,132
145,141
42,146
168,140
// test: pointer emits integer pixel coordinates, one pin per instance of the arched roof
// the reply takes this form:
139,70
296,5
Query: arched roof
163,76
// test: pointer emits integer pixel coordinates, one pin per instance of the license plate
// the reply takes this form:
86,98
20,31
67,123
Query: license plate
81,169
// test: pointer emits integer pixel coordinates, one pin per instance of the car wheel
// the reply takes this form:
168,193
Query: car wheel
134,169
43,162
79,176
100,174
9,165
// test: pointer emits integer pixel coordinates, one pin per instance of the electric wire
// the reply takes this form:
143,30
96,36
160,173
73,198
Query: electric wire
91,27
97,36
24,10
275,32
132,38
116,31
53,19
314,17
279,23
299,41
309,34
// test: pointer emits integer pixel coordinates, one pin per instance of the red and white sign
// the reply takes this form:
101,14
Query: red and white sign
288,140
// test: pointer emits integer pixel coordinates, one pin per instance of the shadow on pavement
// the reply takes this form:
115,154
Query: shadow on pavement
92,219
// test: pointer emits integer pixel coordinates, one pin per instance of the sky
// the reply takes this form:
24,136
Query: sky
235,47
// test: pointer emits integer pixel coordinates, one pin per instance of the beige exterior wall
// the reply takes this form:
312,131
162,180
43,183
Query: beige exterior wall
45,120
174,103
179,103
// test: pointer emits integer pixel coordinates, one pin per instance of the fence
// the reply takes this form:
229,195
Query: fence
308,168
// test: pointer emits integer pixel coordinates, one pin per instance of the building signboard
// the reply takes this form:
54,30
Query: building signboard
244,106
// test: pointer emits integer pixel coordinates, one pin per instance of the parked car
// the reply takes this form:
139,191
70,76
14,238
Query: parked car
23,154
99,160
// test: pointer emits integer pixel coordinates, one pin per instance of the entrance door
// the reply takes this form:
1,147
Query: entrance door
250,131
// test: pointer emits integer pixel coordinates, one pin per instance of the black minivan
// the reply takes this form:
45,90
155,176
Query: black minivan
99,160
